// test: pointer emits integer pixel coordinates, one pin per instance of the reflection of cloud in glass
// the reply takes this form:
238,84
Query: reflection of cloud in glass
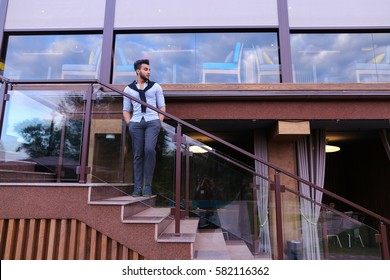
41,56
179,57
333,56
21,108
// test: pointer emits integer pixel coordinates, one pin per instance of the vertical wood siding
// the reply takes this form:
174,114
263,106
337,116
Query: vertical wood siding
58,239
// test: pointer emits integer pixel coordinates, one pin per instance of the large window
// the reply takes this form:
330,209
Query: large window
236,57
52,56
342,57
200,57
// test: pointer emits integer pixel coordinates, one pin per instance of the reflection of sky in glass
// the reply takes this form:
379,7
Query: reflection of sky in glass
21,107
178,58
33,107
42,56
45,108
333,57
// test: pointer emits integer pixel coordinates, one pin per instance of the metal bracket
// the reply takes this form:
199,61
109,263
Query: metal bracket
176,138
87,170
93,97
282,187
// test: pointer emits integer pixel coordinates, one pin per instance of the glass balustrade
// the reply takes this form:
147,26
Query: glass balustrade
43,132
106,144
311,230
41,136
346,237
221,193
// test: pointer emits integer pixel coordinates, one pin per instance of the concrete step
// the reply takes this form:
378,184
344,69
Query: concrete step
119,200
149,215
141,211
159,217
26,176
18,165
101,192
188,231
238,250
210,245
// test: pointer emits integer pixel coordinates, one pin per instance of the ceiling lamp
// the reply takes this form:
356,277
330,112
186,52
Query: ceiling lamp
331,149
199,150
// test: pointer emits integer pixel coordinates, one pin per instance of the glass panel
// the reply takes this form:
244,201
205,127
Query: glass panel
164,180
42,135
110,153
201,57
197,13
219,191
53,56
221,194
334,13
27,15
311,231
347,237
337,58
105,147
111,157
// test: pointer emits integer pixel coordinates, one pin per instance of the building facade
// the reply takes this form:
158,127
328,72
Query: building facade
266,76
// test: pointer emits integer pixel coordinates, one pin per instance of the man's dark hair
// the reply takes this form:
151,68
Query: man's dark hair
138,63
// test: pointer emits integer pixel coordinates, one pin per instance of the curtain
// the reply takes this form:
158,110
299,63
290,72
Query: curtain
262,188
311,166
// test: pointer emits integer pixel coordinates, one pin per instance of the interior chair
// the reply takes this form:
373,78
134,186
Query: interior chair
123,68
333,226
91,69
265,65
231,66
352,228
379,65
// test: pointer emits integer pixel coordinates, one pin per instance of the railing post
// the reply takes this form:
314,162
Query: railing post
324,228
83,168
62,148
179,140
384,242
124,132
187,194
255,216
4,98
278,209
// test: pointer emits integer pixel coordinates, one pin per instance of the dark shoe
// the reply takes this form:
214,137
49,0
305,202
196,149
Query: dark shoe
136,192
148,191
147,194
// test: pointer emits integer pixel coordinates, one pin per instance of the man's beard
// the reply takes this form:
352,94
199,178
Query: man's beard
143,77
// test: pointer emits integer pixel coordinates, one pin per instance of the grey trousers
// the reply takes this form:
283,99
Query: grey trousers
144,137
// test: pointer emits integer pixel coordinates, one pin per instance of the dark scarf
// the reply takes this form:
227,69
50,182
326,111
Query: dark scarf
141,92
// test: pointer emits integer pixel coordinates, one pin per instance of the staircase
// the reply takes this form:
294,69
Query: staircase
23,171
204,244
